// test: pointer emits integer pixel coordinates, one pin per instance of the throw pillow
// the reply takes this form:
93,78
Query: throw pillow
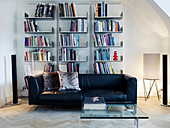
51,81
69,81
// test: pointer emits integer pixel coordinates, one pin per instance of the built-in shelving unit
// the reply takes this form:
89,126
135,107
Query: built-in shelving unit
86,49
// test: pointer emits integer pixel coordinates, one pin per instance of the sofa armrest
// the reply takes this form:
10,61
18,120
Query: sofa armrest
35,88
131,90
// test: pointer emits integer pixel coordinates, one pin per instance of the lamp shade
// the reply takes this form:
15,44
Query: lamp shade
151,66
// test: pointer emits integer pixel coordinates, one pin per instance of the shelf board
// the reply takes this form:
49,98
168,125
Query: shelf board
73,46
109,32
39,61
108,46
78,17
41,32
40,18
108,17
73,61
65,32
38,46
108,61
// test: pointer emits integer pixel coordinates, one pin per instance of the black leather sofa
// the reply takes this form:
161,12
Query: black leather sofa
118,88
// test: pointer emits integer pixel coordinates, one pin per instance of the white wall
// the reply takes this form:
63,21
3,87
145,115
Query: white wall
8,47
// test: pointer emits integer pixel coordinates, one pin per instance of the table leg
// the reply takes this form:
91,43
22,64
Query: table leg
136,123
157,89
150,89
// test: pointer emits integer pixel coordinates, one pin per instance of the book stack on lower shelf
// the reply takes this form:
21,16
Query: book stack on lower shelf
79,25
94,103
103,68
68,54
38,55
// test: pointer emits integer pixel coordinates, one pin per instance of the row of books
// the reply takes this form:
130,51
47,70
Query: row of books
44,10
102,54
48,67
38,55
70,40
37,41
107,25
68,54
80,25
103,40
72,67
67,10
103,68
30,25
100,9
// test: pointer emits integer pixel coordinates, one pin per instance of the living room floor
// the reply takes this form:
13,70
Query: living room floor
22,116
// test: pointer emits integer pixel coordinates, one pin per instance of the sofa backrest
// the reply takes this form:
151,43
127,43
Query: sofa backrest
100,81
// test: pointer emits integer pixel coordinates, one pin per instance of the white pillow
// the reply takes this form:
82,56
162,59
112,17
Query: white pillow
68,80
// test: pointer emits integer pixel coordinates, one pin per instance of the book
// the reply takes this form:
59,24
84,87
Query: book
94,103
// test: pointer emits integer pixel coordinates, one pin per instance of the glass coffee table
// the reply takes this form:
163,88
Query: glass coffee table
115,111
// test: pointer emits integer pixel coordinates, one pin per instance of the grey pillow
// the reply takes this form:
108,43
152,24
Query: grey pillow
69,81
51,81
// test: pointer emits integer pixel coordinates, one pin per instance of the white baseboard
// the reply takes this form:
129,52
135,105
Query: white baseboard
5,100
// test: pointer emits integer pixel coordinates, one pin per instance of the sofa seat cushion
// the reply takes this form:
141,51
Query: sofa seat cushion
109,95
61,96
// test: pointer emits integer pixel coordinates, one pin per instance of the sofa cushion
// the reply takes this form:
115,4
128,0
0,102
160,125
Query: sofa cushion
69,80
63,96
109,95
51,81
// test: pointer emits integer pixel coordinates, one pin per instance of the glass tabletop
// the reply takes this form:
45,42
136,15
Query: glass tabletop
124,111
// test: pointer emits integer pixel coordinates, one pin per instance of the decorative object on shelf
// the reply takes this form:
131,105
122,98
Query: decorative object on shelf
151,72
69,81
67,10
115,57
44,10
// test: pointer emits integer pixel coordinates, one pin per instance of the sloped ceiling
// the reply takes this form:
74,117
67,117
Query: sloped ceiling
152,16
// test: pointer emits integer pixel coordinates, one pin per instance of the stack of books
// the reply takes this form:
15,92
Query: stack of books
67,10
70,40
37,41
103,68
79,25
94,103
44,10
68,54
107,25
100,9
72,67
103,40
102,54
31,25
38,55
48,67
